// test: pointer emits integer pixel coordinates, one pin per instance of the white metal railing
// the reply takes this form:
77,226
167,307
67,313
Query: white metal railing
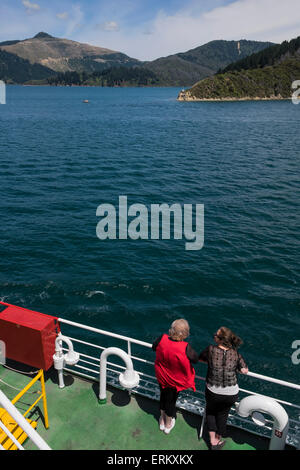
23,423
11,436
148,385
274,381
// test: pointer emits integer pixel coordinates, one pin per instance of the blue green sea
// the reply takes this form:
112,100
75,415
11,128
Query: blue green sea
60,159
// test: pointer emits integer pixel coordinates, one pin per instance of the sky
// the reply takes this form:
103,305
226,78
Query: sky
148,29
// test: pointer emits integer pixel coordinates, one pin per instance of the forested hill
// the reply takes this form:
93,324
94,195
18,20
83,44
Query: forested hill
269,56
113,77
267,75
186,68
44,52
14,69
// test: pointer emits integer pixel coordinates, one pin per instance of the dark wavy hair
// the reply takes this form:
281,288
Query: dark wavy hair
228,338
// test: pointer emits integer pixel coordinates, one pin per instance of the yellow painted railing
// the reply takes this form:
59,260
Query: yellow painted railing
39,376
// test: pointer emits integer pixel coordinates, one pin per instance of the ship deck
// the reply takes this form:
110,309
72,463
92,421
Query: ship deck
78,422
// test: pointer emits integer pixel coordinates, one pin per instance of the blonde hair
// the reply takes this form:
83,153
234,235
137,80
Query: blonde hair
179,330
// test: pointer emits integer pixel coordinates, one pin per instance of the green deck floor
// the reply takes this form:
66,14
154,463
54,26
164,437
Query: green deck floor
78,422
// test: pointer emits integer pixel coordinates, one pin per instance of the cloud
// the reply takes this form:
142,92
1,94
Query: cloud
147,32
109,26
31,6
62,16
74,20
23,23
152,33
191,26
262,20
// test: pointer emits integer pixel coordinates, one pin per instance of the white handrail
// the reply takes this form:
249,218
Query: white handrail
148,345
11,436
250,374
144,389
23,423
275,381
106,333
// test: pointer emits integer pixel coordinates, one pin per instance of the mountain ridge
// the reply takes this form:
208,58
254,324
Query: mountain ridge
65,55
266,75
59,56
185,68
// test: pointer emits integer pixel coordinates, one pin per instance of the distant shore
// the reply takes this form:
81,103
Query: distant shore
186,96
89,86
222,100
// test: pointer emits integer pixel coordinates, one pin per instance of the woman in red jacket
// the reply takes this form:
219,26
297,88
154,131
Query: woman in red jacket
173,370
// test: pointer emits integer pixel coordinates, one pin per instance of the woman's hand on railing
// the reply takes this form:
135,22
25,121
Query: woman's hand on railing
244,370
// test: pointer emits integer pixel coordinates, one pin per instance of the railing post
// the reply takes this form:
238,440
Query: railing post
128,380
44,401
23,423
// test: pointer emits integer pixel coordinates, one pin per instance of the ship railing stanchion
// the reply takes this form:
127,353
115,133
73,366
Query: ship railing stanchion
128,380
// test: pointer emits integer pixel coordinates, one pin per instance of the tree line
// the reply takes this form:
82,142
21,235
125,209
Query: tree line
119,76
269,56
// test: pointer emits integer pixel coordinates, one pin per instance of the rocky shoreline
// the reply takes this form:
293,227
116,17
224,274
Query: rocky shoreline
187,96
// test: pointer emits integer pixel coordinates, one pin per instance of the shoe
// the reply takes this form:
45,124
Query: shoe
161,425
218,446
168,430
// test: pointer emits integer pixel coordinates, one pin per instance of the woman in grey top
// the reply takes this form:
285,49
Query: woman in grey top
222,389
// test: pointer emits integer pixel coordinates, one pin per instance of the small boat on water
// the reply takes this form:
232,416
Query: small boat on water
85,101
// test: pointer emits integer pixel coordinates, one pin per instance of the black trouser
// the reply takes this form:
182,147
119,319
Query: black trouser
168,398
217,411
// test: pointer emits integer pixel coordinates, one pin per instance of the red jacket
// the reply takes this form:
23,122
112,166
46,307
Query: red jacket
172,366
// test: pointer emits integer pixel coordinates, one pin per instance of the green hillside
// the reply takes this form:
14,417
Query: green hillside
114,77
36,59
269,56
253,78
184,69
14,69
273,82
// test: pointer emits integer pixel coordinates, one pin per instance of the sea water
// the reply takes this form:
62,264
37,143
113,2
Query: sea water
62,158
